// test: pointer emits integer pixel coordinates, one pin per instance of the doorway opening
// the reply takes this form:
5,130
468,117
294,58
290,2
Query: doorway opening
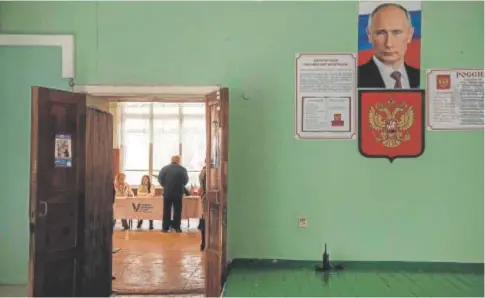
71,197
147,133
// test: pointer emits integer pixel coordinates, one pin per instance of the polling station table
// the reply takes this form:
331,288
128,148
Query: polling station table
151,208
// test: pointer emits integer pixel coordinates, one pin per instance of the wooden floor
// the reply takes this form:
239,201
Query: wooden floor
152,262
164,296
350,282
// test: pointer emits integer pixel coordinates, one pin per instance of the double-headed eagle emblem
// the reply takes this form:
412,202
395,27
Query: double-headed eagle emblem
390,123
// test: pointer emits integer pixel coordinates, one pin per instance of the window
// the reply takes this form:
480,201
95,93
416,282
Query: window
151,133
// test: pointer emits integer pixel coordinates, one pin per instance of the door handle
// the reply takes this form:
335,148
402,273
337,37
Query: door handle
44,213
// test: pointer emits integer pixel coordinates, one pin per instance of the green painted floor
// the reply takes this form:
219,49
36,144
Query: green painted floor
298,282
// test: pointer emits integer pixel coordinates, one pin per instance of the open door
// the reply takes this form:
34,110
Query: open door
215,209
96,278
57,184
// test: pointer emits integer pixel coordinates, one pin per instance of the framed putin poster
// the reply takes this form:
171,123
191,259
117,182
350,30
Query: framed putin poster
391,123
389,44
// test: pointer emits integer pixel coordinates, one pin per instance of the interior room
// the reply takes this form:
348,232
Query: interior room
148,131
414,227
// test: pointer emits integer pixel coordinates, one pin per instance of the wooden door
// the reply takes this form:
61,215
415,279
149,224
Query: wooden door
56,191
98,207
217,131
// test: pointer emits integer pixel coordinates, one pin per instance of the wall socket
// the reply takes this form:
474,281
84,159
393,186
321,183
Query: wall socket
302,222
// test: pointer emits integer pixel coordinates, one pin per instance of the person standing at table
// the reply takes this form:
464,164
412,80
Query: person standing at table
145,189
123,189
173,178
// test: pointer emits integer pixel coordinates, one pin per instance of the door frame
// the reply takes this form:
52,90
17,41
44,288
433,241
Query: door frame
140,93
165,92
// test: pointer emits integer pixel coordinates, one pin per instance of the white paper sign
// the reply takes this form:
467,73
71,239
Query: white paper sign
152,208
455,99
325,96
138,208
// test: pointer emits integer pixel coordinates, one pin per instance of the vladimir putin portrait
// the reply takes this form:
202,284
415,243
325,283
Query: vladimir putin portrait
389,30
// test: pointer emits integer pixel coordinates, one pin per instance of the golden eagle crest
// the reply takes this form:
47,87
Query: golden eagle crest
391,122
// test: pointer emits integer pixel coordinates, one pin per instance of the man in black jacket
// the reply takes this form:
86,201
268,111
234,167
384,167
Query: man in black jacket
173,178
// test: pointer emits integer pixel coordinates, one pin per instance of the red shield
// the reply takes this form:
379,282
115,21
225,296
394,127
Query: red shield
391,123
443,82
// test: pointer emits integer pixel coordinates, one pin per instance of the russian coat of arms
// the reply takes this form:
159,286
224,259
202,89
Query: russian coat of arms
391,122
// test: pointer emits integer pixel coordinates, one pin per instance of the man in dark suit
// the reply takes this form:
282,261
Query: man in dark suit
173,178
389,30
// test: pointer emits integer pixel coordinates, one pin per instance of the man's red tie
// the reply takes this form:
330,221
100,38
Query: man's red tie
396,75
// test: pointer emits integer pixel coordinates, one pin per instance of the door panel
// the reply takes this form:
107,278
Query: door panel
216,195
224,178
56,190
98,207
63,275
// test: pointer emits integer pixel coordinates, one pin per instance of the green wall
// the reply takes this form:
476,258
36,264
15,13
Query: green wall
426,209
20,68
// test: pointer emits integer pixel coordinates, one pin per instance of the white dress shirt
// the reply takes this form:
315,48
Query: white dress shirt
386,72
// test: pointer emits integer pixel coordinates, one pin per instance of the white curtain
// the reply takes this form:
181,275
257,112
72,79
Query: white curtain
151,133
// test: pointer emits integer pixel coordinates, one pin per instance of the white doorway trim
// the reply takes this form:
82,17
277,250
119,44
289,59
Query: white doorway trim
137,90
66,42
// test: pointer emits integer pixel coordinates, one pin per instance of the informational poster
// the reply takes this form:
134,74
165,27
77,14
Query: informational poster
63,151
455,99
325,95
389,44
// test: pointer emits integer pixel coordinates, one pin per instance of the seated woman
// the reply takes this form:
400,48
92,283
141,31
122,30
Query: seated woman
145,189
122,189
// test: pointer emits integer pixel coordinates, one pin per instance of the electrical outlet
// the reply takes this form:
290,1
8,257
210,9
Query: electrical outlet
303,222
